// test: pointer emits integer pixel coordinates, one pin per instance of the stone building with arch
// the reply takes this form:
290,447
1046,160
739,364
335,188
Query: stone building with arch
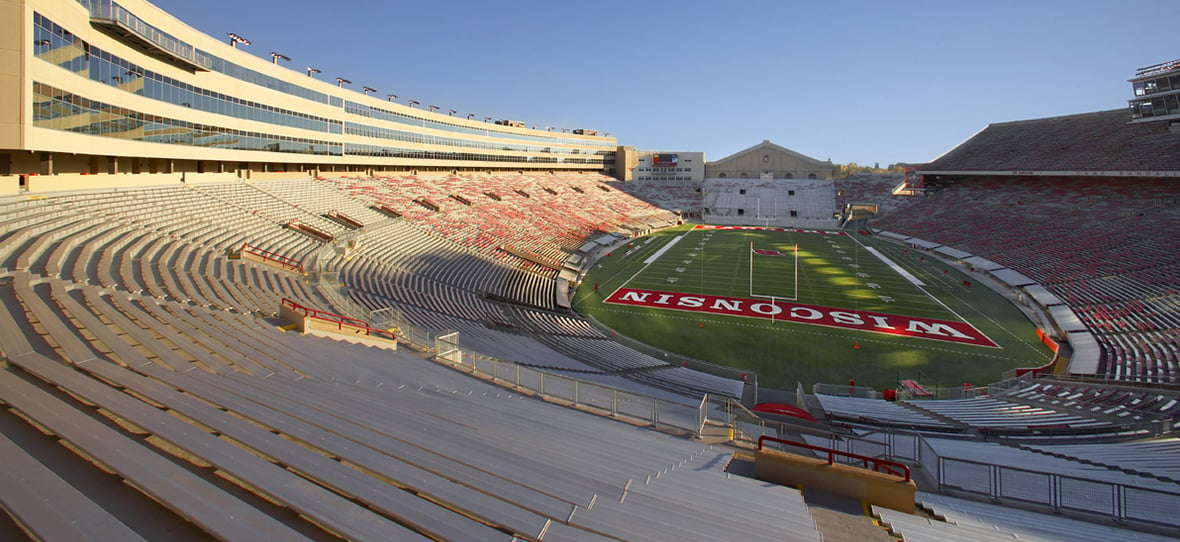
768,161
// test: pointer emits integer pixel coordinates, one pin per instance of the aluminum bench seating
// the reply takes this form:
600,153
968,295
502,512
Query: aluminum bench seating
320,504
165,269
363,403
127,262
237,277
34,257
84,258
993,453
185,493
104,305
877,411
1024,524
434,434
57,260
240,356
139,312
174,487
352,439
372,491
230,342
49,507
37,301
913,528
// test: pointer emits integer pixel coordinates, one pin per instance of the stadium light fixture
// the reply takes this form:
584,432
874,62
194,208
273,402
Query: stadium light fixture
451,112
367,90
433,108
311,70
276,57
391,97
235,39
469,115
411,103
487,119
340,81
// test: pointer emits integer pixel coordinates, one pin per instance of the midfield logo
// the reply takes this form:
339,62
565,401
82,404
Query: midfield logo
876,322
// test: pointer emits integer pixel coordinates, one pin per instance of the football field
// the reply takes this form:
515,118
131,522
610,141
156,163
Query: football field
809,306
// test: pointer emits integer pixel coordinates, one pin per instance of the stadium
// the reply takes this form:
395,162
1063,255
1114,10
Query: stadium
240,302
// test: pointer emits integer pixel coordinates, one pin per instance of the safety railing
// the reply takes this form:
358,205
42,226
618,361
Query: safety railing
878,465
612,402
1058,492
339,320
289,264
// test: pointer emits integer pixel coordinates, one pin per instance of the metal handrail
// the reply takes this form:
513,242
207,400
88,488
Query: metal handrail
268,255
879,465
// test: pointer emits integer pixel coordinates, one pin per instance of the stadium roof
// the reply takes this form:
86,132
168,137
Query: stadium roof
1103,143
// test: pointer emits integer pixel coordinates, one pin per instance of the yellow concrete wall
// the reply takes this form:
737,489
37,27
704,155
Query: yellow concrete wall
874,488
291,316
320,328
75,181
199,178
269,176
12,65
9,185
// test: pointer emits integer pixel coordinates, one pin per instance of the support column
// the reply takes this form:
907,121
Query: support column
47,163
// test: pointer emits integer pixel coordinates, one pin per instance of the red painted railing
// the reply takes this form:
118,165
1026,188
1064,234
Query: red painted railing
309,230
271,256
878,465
339,320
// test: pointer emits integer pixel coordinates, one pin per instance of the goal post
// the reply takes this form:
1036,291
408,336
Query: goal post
791,293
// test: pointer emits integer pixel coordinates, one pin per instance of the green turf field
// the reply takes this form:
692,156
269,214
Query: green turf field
834,271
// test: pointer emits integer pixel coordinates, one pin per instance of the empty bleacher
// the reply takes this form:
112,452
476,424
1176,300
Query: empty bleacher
1103,246
133,337
175,371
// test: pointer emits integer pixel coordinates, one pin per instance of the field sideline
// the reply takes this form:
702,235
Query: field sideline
852,307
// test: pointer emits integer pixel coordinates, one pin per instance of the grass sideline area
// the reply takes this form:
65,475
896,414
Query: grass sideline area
838,271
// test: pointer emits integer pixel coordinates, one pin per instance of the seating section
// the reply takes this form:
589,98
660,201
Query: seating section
683,196
877,412
800,203
1103,246
873,189
971,472
134,338
1157,458
311,441
1111,402
1002,415
545,216
961,519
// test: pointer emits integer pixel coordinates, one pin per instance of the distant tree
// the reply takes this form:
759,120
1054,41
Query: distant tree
843,171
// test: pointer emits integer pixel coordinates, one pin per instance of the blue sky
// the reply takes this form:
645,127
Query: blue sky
866,81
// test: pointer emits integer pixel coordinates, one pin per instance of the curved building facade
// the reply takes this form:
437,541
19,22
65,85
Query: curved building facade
97,87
